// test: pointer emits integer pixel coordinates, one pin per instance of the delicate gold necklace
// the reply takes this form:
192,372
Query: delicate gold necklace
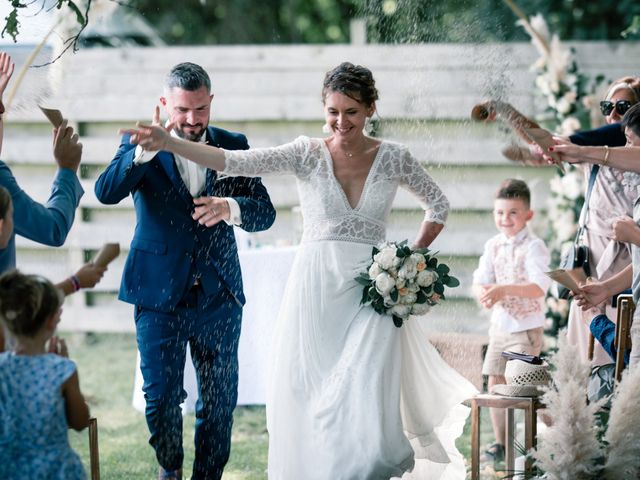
349,154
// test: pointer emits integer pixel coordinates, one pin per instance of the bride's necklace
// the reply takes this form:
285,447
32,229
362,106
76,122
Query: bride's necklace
350,154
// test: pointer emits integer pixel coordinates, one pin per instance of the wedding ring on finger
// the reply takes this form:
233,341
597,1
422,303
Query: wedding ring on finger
213,212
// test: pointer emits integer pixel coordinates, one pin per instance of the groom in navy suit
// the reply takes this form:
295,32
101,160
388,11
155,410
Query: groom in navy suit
183,273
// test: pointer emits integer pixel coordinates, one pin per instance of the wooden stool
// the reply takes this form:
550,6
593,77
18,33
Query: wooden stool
530,405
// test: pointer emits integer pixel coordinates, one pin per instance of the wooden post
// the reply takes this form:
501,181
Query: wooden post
530,432
94,456
475,440
509,436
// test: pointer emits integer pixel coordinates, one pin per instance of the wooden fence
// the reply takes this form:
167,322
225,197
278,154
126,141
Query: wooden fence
272,93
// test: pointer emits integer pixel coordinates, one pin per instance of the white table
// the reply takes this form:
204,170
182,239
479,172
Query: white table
264,273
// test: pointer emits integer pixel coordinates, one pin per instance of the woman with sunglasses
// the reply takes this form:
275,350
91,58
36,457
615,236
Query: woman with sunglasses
624,229
612,196
622,94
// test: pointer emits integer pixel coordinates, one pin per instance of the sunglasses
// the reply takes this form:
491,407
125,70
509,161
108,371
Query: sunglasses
621,107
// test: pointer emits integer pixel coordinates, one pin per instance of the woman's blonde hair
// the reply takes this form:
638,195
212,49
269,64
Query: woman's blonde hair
630,83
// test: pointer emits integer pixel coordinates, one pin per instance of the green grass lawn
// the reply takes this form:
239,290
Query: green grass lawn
106,364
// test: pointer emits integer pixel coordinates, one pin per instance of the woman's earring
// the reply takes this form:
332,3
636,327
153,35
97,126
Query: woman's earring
367,125
325,128
370,127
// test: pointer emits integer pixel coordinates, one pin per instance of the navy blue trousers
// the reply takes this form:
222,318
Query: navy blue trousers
211,326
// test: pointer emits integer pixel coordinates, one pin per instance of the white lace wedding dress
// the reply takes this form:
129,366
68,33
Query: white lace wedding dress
350,395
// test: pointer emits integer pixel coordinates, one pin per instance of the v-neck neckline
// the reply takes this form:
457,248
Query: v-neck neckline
329,159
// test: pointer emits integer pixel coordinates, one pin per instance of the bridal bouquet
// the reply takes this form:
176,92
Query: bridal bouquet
402,282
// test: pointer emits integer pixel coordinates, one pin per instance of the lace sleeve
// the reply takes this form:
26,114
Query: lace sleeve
290,158
415,179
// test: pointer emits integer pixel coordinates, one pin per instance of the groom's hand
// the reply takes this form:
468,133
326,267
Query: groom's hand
211,210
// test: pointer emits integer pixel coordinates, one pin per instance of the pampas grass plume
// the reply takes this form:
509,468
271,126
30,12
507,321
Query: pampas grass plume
567,450
623,432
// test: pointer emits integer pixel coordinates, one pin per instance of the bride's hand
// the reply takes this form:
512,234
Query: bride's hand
149,137
156,116
153,137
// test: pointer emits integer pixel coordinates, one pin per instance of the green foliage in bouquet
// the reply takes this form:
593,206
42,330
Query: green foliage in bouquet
401,281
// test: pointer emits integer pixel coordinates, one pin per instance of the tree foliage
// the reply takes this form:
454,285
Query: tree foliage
388,21
12,24
193,22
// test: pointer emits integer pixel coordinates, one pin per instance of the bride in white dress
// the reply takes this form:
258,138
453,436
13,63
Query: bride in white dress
350,395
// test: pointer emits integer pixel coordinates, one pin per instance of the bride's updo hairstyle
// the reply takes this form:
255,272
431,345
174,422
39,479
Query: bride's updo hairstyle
26,302
354,81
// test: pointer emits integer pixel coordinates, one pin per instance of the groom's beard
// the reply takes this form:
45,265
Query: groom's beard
194,136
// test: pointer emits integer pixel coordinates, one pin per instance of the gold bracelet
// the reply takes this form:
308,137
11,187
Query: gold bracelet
606,155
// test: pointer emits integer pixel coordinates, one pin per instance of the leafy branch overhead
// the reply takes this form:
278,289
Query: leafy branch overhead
12,24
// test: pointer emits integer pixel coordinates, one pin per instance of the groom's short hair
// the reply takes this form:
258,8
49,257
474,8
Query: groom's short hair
187,76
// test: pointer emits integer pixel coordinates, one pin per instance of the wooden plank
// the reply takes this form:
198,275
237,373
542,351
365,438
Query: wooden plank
414,80
478,193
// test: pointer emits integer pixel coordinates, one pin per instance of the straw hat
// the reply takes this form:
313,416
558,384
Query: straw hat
523,379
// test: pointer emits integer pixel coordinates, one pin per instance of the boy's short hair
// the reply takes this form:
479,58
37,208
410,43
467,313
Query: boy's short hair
631,119
513,188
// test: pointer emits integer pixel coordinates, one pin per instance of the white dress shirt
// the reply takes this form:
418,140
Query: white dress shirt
523,258
194,177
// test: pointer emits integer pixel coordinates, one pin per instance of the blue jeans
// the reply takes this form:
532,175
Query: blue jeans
211,325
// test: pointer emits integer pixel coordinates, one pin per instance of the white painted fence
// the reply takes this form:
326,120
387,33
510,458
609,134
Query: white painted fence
272,93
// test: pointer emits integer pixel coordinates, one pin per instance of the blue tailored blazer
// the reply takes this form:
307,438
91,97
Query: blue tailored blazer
48,224
169,249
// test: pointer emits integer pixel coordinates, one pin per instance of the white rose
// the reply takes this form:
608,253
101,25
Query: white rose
408,299
543,85
554,85
420,308
401,311
421,262
408,268
413,287
555,185
400,283
570,96
572,185
426,278
374,270
569,125
563,106
588,102
384,284
387,258
566,231
564,225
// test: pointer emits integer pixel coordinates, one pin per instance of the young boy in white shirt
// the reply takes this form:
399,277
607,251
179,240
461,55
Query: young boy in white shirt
510,281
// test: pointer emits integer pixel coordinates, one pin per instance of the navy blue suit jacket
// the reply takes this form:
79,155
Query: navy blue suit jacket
169,249
611,135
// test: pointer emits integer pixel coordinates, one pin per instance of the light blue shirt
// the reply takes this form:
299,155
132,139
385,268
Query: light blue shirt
48,224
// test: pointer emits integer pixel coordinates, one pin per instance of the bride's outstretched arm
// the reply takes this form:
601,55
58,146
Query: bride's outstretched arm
156,137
